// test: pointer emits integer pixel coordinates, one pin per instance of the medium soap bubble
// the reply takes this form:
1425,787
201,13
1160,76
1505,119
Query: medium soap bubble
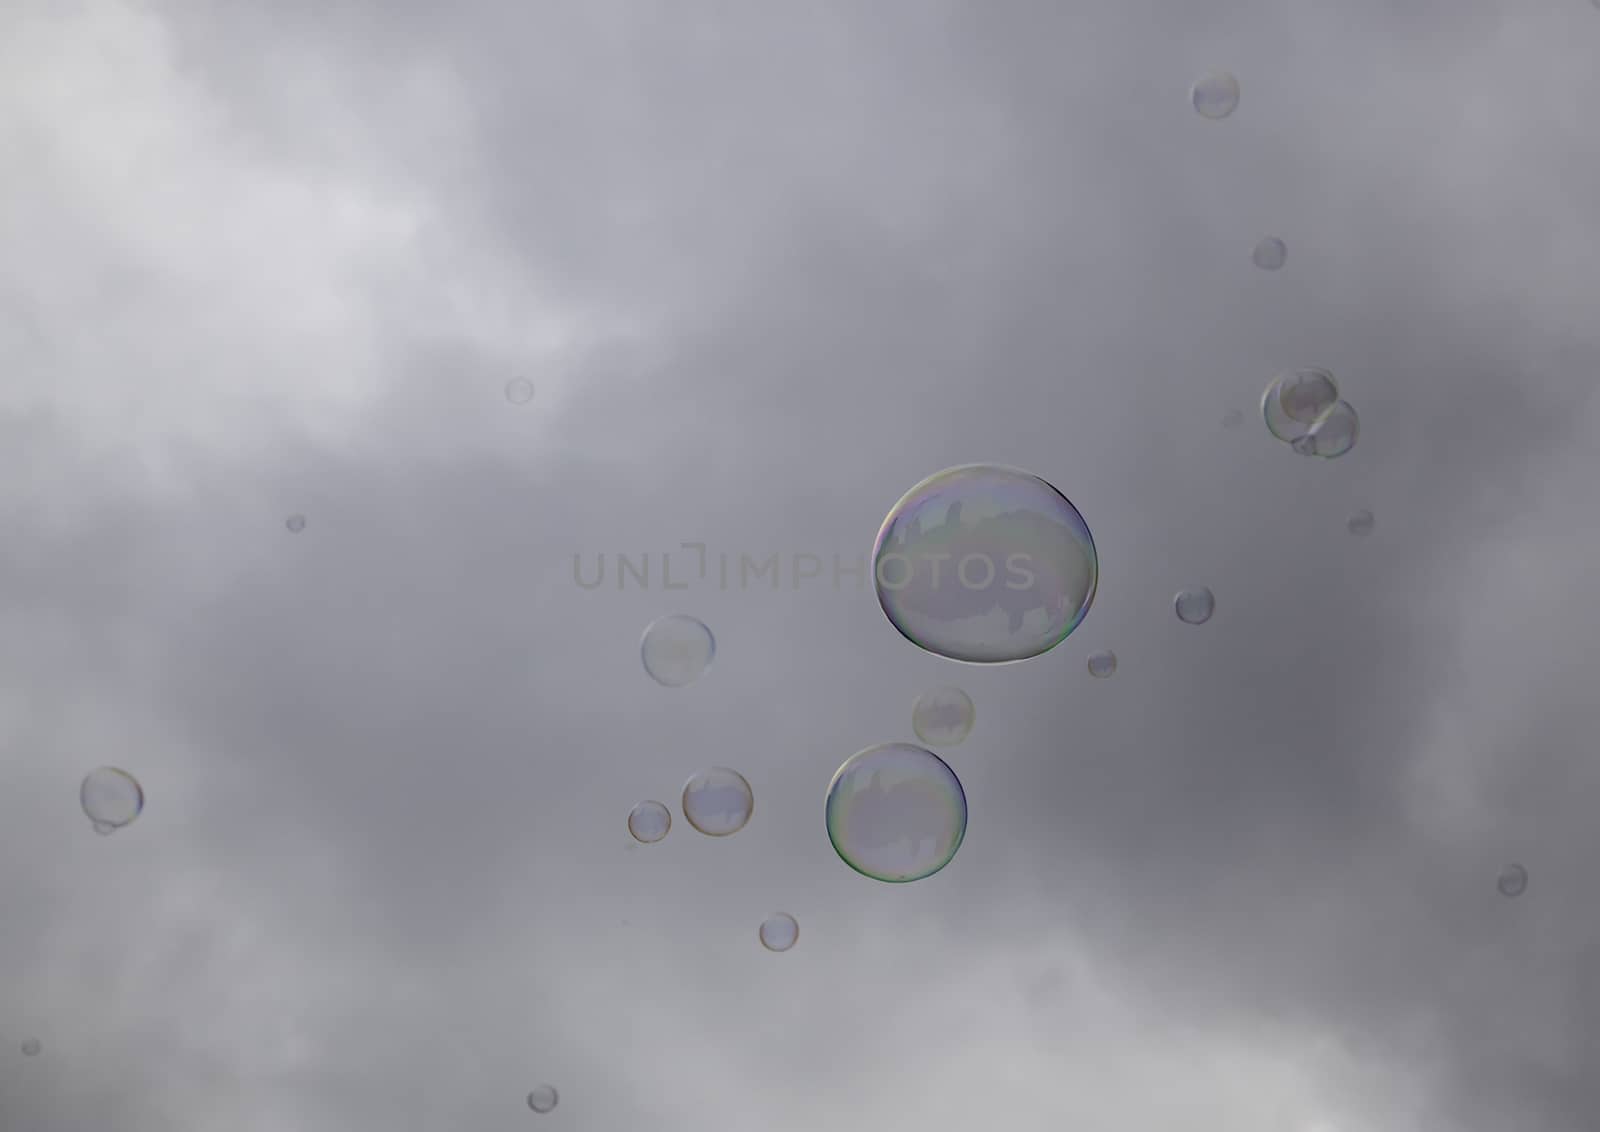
779,932
677,650
31,1047
111,796
943,717
649,822
1215,95
1335,431
1512,881
295,523
1102,664
1361,523
519,391
718,802
544,1099
985,564
1270,253
1194,606
1306,394
1293,401
896,813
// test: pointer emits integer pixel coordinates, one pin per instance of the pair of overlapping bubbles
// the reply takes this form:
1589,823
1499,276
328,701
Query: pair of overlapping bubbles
1303,409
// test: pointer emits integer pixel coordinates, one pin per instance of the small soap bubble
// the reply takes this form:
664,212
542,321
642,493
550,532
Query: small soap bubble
985,564
779,932
943,717
1361,523
31,1048
111,796
718,802
1335,431
677,650
104,828
295,523
896,813
649,822
1512,881
544,1099
519,391
1194,606
1102,664
1270,254
1215,95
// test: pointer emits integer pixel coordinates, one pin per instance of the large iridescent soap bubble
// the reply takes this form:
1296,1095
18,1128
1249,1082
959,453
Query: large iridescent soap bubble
985,564
896,813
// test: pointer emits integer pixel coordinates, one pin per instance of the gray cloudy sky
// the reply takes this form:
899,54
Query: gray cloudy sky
769,265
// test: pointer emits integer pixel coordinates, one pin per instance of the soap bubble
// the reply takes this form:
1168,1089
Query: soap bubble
544,1098
1215,95
1270,254
1361,523
31,1047
1195,606
103,828
779,932
1293,401
677,650
1102,663
110,796
985,564
295,523
896,813
1512,881
519,391
1334,432
943,717
718,802
649,822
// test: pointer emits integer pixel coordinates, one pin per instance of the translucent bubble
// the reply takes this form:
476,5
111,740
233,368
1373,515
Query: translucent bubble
519,391
295,523
1361,523
1306,394
896,813
943,717
1513,880
104,829
649,822
1194,607
1270,254
111,797
1102,663
31,1048
677,650
718,802
544,1099
779,932
985,564
1334,432
1215,95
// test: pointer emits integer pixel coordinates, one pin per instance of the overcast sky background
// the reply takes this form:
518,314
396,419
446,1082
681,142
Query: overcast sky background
768,266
